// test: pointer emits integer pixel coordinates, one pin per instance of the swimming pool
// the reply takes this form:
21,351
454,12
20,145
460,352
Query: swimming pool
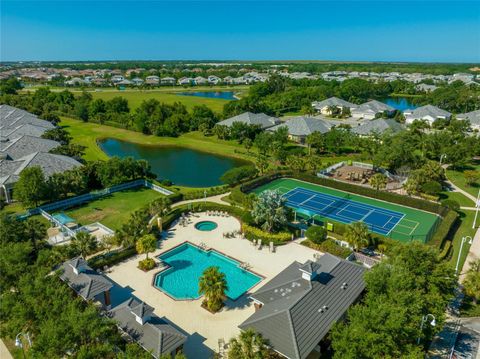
205,226
187,263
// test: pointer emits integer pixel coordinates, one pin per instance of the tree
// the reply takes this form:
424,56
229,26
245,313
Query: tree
248,345
213,285
84,243
471,284
262,164
31,186
316,234
295,163
378,181
237,174
248,143
269,210
471,177
58,134
35,231
357,235
431,188
263,142
146,244
136,227
411,186
160,206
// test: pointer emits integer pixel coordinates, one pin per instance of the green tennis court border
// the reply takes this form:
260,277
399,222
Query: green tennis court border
415,225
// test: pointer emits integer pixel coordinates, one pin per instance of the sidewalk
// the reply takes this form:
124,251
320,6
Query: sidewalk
458,189
4,353
473,254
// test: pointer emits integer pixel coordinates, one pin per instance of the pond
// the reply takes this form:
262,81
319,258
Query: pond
182,166
222,95
400,103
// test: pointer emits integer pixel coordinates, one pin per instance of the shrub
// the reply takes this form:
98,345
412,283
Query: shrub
252,233
316,234
451,204
444,229
446,250
432,188
329,246
237,174
111,258
146,264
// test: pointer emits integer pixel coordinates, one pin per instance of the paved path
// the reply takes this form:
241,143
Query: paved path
473,254
4,353
458,189
215,199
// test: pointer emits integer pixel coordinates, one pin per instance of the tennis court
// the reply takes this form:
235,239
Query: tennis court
315,203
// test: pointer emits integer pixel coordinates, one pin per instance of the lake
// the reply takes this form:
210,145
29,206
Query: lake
399,103
182,166
222,95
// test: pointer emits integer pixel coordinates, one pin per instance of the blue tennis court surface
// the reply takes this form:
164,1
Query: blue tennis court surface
312,204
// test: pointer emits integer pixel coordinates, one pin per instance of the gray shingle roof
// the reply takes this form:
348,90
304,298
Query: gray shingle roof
155,335
333,101
373,106
379,126
297,313
87,283
473,117
11,117
25,129
25,145
249,118
303,126
429,110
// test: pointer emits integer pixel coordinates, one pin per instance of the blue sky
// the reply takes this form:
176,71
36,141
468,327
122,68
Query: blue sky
443,31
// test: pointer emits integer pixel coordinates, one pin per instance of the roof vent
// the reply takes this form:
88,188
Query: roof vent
323,309
344,285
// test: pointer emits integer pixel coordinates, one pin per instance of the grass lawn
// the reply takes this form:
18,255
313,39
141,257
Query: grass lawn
115,209
15,207
87,134
465,229
458,178
457,196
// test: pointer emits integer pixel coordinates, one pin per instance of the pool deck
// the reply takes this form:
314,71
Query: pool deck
204,329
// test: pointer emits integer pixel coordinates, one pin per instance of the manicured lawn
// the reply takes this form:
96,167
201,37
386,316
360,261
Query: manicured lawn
457,196
15,207
458,178
465,229
87,134
113,210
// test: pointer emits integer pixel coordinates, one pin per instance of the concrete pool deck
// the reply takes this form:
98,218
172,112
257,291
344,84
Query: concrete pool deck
204,329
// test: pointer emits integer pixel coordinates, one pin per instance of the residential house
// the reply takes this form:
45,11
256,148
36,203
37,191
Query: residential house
137,320
199,80
152,80
378,126
185,81
300,127
214,80
473,117
369,110
137,81
295,310
325,106
426,88
117,78
87,283
168,81
427,113
249,118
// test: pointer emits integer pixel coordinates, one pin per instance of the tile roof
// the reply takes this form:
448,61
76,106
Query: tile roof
303,126
250,118
380,125
25,145
297,313
87,283
155,335
373,106
473,117
333,101
429,110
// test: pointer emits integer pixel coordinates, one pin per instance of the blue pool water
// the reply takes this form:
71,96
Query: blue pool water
205,226
222,95
187,264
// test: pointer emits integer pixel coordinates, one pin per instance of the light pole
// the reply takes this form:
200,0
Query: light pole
442,157
204,196
18,341
464,239
424,320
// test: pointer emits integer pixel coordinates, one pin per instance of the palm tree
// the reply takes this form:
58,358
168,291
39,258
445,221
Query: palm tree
160,206
213,285
357,235
35,231
84,243
248,345
146,244
378,181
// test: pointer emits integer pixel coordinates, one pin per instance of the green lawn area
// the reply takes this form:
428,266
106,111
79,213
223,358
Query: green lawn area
465,229
458,197
415,224
113,210
458,178
87,134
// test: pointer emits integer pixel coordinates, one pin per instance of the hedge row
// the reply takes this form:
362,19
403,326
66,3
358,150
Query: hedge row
448,224
364,191
111,258
252,233
212,191
329,246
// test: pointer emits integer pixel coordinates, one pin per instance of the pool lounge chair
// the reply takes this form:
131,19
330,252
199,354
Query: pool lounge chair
272,247
259,244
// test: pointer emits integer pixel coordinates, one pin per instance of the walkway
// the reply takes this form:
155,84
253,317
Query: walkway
4,353
458,189
473,254
215,199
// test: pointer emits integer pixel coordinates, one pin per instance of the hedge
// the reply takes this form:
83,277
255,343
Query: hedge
111,258
327,182
447,225
252,233
446,251
329,246
212,191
